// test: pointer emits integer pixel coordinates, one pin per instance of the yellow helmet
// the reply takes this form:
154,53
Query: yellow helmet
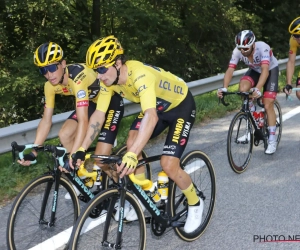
103,52
294,27
47,53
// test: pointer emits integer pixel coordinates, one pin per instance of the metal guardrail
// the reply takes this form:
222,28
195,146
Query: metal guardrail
25,132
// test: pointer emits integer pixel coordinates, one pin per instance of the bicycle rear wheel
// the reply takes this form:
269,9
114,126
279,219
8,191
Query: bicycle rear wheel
101,233
240,142
28,221
199,167
279,123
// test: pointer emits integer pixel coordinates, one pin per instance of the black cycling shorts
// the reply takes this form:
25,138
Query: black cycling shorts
113,118
271,86
179,120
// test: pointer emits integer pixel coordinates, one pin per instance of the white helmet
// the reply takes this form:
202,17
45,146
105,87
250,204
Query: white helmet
244,39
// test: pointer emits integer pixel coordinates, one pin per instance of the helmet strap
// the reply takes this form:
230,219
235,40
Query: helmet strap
118,74
63,76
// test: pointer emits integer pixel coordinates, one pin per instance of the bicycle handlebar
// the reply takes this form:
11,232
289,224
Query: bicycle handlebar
288,96
117,159
58,151
259,100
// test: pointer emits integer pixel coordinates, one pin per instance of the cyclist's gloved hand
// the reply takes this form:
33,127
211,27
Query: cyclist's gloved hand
30,157
79,155
130,160
287,89
220,90
256,92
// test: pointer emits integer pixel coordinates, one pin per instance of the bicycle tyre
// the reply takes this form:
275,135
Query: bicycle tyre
279,123
95,235
24,229
199,167
240,142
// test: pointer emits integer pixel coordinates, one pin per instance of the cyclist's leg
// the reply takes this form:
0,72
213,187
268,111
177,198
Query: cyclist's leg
270,93
109,132
180,121
67,132
248,81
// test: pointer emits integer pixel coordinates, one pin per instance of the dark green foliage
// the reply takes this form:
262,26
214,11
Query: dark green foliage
191,38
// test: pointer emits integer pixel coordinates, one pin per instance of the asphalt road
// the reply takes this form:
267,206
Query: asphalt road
257,209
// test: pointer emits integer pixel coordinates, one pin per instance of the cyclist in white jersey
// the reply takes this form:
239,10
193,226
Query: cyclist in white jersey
263,73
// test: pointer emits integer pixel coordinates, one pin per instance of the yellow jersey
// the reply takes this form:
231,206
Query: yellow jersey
148,85
294,45
82,83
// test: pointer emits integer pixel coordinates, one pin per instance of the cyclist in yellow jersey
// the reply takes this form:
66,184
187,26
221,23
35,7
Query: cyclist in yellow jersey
294,30
165,101
72,80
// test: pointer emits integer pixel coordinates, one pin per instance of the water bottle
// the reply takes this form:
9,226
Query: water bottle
97,177
162,184
85,176
256,117
261,119
152,192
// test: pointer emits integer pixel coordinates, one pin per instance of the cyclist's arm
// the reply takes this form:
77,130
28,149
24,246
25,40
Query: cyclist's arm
147,126
228,77
82,117
94,127
44,126
263,76
290,67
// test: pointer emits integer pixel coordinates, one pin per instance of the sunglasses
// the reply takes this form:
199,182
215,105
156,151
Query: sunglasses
296,36
51,68
101,70
244,49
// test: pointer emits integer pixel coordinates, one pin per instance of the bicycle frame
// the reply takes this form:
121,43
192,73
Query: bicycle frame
58,153
125,184
258,133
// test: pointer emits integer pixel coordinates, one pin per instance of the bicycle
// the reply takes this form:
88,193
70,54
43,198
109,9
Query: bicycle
105,232
245,130
40,215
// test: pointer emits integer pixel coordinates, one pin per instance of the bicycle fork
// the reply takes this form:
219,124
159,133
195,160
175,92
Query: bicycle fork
54,201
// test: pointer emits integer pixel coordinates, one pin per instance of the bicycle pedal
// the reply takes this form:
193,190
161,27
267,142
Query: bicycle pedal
148,219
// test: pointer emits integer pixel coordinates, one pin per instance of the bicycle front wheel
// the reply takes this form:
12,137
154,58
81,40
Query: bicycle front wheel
29,219
104,231
199,167
240,142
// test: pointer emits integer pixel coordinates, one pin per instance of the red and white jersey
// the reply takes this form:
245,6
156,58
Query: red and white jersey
263,54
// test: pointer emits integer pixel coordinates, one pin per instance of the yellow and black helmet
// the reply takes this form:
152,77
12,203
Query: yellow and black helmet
294,27
47,53
103,52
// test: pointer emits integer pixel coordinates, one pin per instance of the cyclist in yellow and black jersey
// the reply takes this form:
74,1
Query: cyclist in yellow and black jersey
151,86
294,30
71,80
165,101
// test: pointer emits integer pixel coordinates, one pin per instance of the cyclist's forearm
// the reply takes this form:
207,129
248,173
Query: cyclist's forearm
94,127
290,68
227,77
262,79
147,126
80,135
42,131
